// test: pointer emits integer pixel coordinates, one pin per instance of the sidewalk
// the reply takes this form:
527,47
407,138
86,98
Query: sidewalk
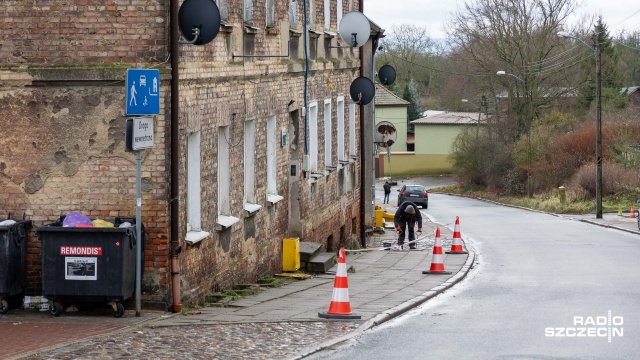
276,323
382,284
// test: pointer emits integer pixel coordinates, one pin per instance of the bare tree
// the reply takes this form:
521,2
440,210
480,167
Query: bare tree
413,53
520,38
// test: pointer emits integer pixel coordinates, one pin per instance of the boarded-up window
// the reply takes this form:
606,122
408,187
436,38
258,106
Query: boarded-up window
193,182
247,14
272,173
293,14
224,171
327,134
223,6
327,14
249,162
271,13
338,13
352,129
313,137
341,147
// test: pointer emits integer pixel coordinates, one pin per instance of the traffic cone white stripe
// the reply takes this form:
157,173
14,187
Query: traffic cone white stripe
437,258
340,295
342,270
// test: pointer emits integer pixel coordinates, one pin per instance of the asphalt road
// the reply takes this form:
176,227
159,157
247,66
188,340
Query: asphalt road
543,287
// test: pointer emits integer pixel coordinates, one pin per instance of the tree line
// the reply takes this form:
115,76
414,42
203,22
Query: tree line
548,93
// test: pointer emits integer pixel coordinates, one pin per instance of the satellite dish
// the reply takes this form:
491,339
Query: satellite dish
362,90
354,29
387,75
385,134
199,21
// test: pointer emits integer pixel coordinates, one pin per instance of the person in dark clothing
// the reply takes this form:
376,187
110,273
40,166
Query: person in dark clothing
387,191
406,216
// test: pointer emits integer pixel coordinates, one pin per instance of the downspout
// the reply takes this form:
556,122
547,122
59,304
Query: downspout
363,234
175,161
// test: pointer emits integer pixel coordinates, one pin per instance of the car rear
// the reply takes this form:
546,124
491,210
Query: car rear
416,194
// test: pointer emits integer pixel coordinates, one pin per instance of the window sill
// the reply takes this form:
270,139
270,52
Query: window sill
274,198
330,33
251,209
295,33
315,34
226,27
194,237
224,222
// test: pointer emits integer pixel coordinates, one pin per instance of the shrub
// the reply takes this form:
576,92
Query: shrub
615,179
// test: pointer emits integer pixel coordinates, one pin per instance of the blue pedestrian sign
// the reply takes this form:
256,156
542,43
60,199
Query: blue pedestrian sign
143,92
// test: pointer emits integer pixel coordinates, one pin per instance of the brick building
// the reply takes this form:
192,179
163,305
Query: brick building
242,137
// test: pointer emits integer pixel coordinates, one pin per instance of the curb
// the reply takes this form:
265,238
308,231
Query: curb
609,226
396,311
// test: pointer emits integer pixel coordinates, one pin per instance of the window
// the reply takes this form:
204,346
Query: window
194,211
328,164
225,219
247,14
313,137
311,20
293,14
340,110
352,130
271,13
327,14
338,13
250,206
272,169
223,6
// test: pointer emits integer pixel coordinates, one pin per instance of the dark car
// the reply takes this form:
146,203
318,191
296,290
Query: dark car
414,193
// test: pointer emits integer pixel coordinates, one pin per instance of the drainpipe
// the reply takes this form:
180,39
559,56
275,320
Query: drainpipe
175,162
363,203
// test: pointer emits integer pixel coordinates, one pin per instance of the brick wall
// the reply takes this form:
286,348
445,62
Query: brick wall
61,150
83,31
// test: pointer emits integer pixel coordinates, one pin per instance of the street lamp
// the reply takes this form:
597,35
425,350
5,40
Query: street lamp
479,110
529,114
597,54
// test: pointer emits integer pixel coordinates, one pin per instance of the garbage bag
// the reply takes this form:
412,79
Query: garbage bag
102,223
73,219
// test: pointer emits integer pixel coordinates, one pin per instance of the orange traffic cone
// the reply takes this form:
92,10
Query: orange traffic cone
456,244
632,214
340,307
437,262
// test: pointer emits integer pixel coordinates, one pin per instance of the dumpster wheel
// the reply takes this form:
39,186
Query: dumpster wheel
56,309
117,310
5,306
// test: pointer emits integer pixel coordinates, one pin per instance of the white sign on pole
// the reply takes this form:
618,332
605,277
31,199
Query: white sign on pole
142,133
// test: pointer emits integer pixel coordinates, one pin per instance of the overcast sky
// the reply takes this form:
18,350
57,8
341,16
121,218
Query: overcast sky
432,14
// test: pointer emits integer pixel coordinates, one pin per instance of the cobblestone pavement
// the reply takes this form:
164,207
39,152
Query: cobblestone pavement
236,341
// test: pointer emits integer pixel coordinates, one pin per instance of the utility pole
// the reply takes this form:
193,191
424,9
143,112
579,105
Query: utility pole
598,49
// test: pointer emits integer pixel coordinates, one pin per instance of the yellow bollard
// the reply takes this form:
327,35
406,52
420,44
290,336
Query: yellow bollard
619,210
563,195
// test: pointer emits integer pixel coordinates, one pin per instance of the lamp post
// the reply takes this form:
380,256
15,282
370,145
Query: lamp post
597,54
479,113
529,115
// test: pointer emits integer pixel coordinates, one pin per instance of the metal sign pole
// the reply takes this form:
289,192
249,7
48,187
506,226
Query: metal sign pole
139,238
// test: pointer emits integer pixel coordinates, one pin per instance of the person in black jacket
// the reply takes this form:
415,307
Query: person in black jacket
387,192
406,216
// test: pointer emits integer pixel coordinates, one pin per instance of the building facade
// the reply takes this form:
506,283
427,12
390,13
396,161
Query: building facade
267,148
